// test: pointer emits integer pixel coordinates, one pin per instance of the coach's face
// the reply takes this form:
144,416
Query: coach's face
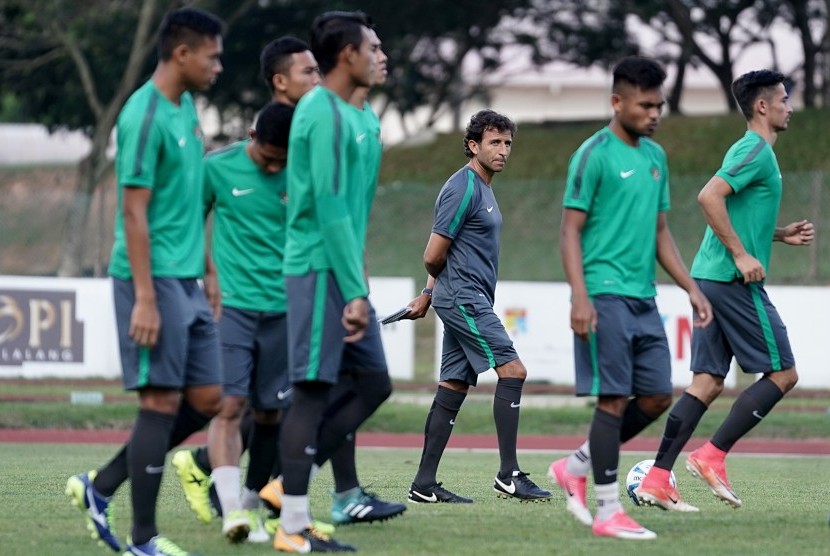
638,110
494,150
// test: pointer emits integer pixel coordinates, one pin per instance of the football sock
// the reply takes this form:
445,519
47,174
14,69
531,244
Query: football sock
437,431
202,458
250,499
506,402
608,500
604,438
751,406
246,428
188,420
681,423
343,466
146,451
262,451
579,462
295,515
226,479
634,420
112,475
298,449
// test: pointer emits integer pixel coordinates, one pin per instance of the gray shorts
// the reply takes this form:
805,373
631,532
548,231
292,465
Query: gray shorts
255,357
474,341
628,354
746,325
367,355
187,352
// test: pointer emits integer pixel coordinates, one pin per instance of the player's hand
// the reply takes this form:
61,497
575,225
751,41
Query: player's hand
418,307
145,323
213,293
798,233
583,316
750,268
355,319
701,307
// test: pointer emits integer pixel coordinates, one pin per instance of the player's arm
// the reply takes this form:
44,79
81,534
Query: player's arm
669,258
712,200
145,320
583,315
435,254
211,278
796,233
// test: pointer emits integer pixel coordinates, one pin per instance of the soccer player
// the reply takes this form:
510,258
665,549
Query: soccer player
740,204
614,225
245,188
323,265
167,334
461,258
289,70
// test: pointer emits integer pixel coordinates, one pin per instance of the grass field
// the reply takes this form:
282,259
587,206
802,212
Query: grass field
786,502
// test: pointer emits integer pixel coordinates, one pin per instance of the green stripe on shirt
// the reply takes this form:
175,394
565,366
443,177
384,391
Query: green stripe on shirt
471,178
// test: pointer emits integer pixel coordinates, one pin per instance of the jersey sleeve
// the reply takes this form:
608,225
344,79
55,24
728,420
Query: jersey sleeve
454,206
746,165
584,176
139,143
664,204
208,191
325,136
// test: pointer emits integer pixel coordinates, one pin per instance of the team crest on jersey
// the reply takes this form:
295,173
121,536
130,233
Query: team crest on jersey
655,173
284,198
200,136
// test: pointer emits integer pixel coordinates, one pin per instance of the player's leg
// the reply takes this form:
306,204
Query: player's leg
456,375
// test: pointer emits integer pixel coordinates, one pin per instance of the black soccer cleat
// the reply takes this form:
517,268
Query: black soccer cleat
435,494
364,507
517,485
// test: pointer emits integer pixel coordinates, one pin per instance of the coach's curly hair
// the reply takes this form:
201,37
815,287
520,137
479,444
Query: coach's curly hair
481,122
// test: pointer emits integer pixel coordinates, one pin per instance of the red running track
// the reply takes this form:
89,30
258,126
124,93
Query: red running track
462,441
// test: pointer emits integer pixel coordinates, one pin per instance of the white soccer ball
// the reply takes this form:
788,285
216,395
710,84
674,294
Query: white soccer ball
635,477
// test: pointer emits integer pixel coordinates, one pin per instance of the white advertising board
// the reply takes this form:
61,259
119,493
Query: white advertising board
387,296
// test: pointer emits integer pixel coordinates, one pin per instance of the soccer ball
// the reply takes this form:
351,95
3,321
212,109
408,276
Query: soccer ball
635,477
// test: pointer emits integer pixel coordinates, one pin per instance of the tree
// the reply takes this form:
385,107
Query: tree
809,18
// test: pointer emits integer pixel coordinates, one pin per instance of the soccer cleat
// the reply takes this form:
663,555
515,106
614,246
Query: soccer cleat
258,533
435,494
195,484
663,497
272,524
518,485
574,489
271,494
714,475
623,527
364,507
96,508
308,540
157,546
236,526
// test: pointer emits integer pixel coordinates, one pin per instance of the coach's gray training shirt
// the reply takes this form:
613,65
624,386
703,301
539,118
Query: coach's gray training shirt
466,211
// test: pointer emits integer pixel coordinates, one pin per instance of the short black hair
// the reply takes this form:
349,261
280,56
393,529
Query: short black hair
274,124
186,26
639,71
481,122
747,88
331,32
276,57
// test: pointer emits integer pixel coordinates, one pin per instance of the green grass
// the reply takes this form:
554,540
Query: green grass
785,510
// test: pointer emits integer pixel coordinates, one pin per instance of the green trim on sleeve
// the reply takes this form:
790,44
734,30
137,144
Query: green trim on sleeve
465,202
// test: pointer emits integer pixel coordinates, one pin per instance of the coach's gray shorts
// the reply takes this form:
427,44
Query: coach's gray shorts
255,357
628,354
746,325
187,352
474,341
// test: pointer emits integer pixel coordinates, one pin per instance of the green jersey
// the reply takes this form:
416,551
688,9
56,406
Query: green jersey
372,148
621,189
249,208
751,170
326,192
160,147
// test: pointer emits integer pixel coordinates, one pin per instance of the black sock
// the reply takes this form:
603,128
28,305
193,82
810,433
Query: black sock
634,420
188,420
112,475
145,460
202,458
276,469
246,428
343,466
604,440
262,452
437,431
506,402
298,448
681,423
751,406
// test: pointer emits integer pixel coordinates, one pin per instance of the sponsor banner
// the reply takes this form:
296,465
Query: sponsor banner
65,327
387,296
57,327
536,315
